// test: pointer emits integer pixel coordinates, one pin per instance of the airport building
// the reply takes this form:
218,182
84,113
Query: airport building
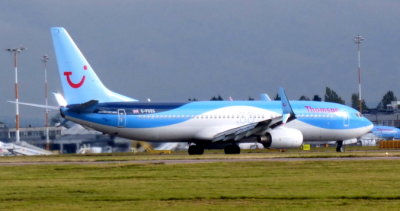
72,140
30,133
388,117
385,118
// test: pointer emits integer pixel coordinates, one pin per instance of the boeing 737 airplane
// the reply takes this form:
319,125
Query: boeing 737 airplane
276,124
386,132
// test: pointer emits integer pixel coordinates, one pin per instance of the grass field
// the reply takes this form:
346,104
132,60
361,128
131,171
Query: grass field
352,151
299,185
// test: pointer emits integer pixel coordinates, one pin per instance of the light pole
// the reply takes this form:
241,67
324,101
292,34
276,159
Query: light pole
15,52
357,40
45,58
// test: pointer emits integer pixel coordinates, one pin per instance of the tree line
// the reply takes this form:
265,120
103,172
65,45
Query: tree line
332,96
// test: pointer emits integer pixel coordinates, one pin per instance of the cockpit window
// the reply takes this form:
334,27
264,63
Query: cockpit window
359,114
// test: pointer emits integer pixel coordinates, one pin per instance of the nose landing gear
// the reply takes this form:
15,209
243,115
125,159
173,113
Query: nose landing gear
339,146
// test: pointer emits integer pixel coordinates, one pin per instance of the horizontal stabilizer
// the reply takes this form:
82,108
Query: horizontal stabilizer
63,124
36,105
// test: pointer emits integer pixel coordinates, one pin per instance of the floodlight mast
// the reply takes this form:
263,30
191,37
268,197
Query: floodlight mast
45,59
15,52
357,40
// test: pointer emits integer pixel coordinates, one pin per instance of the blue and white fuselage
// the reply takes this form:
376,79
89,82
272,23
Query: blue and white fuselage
386,132
317,121
276,124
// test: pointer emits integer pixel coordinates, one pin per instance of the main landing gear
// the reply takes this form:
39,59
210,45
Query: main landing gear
339,146
232,149
196,149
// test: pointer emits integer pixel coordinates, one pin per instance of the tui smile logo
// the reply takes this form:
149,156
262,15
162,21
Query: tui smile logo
72,84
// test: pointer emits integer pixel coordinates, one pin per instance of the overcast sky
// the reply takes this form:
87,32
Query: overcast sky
172,50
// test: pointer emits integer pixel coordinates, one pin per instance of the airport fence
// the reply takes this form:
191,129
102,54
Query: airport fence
395,144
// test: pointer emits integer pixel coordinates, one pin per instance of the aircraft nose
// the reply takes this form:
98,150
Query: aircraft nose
370,125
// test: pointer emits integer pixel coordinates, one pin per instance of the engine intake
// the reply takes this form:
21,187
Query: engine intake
282,137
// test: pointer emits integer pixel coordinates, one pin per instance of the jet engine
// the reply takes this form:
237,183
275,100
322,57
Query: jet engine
282,137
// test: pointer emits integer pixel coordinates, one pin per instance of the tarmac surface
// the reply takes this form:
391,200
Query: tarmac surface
190,161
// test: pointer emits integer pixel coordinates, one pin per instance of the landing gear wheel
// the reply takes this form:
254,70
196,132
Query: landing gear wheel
232,149
195,150
340,149
340,146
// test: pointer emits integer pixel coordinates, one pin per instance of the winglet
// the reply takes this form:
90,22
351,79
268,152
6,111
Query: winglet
264,97
287,111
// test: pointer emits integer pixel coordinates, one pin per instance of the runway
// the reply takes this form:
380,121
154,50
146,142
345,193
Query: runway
192,161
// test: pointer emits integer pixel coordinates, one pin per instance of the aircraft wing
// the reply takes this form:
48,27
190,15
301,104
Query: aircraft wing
243,131
250,129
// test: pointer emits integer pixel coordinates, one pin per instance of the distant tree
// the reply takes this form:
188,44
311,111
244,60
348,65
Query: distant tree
192,99
354,101
218,98
304,98
277,97
355,104
251,99
331,96
317,98
387,99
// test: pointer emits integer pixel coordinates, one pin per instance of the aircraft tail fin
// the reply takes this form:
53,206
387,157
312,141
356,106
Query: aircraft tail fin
79,82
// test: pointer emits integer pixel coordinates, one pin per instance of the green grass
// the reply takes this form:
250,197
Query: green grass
353,151
297,185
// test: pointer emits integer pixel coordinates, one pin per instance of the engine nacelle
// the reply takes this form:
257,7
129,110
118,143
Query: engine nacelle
282,137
